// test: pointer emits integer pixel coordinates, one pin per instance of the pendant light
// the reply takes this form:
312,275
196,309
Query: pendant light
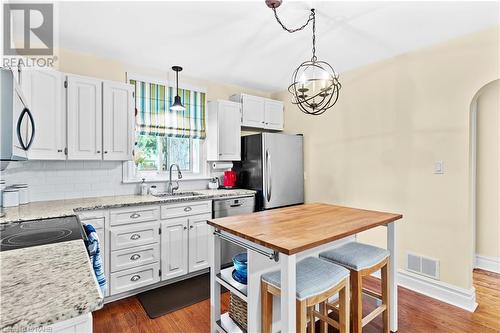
315,85
177,105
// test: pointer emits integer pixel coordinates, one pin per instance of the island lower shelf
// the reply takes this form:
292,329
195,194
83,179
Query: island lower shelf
225,278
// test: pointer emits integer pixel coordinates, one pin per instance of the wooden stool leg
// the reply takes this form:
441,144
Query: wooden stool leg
301,314
266,308
344,305
356,302
385,296
312,320
323,325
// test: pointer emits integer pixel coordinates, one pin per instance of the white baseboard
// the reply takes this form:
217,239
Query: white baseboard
488,263
442,291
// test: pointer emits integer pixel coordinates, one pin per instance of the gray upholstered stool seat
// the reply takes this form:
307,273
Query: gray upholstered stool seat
355,256
313,277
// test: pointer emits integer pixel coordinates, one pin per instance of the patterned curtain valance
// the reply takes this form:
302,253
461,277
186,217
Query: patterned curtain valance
155,118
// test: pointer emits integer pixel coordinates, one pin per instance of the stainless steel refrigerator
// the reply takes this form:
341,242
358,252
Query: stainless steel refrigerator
273,165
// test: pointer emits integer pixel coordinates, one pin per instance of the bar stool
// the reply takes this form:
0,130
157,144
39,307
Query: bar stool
316,281
362,260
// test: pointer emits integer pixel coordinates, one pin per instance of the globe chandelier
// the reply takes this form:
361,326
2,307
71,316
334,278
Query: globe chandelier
315,84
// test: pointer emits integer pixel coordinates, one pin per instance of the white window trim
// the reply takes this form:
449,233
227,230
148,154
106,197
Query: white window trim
129,173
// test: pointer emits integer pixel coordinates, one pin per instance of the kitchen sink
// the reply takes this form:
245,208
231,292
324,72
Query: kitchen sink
176,194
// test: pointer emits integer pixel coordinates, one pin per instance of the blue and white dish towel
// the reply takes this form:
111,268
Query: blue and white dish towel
94,250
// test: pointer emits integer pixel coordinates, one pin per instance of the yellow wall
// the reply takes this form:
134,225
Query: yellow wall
109,69
376,148
488,171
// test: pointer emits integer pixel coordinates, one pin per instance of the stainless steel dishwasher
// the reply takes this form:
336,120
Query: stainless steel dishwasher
232,207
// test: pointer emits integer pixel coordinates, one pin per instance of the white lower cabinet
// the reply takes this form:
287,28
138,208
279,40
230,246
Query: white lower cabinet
144,248
134,257
134,278
80,324
198,242
174,247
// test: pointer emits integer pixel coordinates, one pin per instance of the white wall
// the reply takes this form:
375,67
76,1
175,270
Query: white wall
377,146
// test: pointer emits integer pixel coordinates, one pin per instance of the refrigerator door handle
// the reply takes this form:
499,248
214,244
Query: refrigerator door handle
269,176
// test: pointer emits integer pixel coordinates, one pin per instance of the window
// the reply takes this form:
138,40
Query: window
156,153
165,137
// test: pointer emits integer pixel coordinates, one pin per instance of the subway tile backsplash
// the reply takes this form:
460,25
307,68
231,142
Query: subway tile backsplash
54,180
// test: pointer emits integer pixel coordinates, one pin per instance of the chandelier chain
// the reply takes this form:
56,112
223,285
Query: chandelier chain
311,18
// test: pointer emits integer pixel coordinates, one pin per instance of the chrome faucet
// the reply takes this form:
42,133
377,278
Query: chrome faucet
170,187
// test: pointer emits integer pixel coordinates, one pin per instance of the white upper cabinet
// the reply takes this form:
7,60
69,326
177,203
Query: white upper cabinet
273,114
118,121
260,112
84,112
44,91
223,131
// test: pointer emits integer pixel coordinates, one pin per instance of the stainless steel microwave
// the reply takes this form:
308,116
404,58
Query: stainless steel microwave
17,126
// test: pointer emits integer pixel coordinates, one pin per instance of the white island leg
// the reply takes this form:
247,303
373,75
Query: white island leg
391,246
214,249
288,293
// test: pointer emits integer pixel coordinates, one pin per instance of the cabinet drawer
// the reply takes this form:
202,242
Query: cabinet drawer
91,214
186,209
134,257
133,215
134,278
97,223
134,235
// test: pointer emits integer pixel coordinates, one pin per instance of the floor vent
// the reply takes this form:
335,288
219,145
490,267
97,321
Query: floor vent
422,265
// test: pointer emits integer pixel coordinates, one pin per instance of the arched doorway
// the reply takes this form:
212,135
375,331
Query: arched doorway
485,158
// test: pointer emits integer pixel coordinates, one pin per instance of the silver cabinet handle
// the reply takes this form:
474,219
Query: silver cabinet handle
135,216
98,152
191,226
185,228
135,278
135,237
188,209
59,150
135,257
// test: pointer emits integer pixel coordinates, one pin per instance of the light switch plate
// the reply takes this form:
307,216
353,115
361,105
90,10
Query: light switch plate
438,168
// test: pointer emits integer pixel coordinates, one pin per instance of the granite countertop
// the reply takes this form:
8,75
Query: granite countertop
58,208
44,284
41,285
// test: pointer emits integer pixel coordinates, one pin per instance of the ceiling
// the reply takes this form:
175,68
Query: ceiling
240,42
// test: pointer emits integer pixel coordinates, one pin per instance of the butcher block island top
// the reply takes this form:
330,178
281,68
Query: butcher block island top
294,229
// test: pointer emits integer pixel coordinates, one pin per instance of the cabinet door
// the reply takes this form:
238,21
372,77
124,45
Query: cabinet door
198,242
84,118
174,248
44,91
229,132
118,121
252,111
273,115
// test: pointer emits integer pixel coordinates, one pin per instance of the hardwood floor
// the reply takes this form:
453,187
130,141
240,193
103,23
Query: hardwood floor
417,313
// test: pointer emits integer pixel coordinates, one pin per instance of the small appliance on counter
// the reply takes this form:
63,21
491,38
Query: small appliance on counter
229,179
16,235
213,183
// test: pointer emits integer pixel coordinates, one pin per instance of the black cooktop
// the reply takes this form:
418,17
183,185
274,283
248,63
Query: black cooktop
16,235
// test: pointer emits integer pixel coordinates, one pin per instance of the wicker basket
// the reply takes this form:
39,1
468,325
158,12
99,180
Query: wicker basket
238,311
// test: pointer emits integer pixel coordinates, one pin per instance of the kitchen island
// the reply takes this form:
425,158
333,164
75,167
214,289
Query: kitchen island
286,235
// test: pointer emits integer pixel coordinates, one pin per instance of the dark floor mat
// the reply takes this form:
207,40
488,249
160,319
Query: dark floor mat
175,296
